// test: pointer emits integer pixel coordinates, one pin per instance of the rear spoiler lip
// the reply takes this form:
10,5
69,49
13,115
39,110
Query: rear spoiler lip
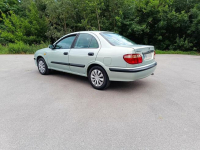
151,51
147,48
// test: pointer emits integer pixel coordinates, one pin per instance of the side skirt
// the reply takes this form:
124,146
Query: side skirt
68,64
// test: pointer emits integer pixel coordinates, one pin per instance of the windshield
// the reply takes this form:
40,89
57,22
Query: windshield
117,40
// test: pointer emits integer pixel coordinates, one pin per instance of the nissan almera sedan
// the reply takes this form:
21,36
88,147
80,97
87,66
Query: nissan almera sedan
99,55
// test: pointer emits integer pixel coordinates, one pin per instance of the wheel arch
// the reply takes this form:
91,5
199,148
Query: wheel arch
95,64
40,56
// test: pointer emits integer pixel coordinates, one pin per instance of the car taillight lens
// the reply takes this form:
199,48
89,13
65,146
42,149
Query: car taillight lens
154,55
133,58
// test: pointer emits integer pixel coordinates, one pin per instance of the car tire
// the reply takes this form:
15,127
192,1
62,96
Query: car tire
98,78
42,66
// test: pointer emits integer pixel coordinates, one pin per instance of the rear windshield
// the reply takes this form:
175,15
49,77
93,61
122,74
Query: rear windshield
117,40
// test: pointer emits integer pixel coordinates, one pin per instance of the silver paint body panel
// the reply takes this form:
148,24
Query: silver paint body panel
107,56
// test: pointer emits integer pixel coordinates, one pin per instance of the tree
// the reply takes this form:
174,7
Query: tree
30,29
167,24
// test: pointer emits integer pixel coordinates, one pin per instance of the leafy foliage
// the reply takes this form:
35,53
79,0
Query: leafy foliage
21,48
29,30
167,24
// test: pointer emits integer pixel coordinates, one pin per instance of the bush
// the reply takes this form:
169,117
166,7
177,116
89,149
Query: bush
33,48
3,49
21,48
18,48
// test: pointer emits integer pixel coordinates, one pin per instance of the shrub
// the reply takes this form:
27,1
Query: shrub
22,48
33,48
18,48
3,49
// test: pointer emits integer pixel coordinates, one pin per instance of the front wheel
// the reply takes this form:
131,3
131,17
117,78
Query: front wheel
98,78
42,66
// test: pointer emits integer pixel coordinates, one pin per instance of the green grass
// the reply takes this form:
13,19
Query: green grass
177,52
22,48
3,50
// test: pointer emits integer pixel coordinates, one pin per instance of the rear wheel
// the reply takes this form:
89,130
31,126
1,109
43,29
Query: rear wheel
98,78
42,66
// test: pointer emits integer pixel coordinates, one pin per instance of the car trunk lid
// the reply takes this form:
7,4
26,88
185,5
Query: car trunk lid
147,53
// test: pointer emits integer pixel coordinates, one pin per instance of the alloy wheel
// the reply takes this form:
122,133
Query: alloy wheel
97,78
41,66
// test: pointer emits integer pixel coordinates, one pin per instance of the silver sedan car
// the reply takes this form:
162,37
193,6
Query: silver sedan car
99,55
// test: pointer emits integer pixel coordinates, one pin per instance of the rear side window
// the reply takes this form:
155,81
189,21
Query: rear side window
86,41
117,40
94,43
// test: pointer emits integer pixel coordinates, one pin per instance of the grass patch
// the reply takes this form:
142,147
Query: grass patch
21,48
3,49
177,52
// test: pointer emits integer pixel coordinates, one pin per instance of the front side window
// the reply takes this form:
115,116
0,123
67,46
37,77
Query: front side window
65,43
86,41
117,40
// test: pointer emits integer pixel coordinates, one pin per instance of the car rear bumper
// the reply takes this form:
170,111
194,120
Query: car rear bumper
131,74
130,70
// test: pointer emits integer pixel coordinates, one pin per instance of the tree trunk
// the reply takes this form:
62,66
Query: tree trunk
65,26
98,19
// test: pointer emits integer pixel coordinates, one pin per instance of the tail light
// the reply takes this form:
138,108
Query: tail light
133,58
154,55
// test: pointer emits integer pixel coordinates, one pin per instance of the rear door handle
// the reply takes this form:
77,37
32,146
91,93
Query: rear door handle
90,54
65,53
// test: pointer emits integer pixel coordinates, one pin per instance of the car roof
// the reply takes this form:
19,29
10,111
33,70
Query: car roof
94,32
89,32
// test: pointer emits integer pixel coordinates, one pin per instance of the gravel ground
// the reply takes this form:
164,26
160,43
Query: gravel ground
63,112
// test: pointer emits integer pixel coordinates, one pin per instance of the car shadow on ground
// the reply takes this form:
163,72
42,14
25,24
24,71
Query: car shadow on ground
127,86
115,85
75,78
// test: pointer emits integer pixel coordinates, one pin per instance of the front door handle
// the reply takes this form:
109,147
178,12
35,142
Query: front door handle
90,54
65,53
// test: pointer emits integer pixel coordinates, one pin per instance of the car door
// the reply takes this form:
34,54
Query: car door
83,52
58,58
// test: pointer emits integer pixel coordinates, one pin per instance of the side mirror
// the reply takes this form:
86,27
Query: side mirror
51,46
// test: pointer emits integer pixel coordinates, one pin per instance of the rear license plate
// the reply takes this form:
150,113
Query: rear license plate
148,56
